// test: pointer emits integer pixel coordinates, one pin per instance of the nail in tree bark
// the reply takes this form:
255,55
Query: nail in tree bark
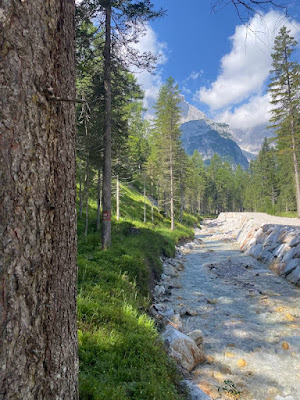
38,352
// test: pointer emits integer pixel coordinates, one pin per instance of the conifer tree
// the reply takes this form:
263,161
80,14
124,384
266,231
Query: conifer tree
167,126
284,90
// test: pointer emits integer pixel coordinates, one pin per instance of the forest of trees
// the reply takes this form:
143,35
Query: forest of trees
39,157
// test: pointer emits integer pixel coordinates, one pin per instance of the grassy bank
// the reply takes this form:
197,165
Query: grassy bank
121,356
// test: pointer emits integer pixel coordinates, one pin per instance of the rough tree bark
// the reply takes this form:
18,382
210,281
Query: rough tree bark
106,187
38,337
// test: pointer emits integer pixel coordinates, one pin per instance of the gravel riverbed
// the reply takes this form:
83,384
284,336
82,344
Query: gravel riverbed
249,316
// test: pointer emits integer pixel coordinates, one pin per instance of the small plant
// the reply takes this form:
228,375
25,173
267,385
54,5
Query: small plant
230,390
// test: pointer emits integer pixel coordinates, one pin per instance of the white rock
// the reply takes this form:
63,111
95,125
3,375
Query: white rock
182,348
159,290
197,336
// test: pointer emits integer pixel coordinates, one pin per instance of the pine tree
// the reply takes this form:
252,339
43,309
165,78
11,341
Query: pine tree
122,19
168,135
284,90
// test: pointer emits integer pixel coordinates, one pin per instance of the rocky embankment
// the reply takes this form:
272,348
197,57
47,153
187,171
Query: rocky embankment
230,322
275,241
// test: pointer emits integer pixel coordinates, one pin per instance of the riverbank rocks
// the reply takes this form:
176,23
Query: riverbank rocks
274,241
195,392
182,348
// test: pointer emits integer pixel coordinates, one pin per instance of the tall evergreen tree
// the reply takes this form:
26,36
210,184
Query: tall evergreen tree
122,19
167,119
284,90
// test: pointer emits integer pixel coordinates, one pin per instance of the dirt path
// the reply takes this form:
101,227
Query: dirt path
250,319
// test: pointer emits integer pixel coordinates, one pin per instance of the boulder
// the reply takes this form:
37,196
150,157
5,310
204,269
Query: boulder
294,276
290,266
289,254
296,240
182,348
281,250
197,336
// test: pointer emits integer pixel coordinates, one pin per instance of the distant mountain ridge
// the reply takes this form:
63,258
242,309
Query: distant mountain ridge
208,137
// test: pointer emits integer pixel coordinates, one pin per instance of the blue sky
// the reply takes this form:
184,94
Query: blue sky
221,66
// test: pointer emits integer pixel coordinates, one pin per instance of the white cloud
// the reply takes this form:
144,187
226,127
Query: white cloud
151,83
194,75
249,115
245,69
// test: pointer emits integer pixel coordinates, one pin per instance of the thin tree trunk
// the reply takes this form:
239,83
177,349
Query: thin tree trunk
38,273
118,198
296,167
165,204
158,199
106,187
80,189
152,199
86,195
181,200
145,214
172,194
99,197
273,196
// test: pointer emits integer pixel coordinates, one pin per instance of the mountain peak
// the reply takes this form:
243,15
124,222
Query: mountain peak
189,112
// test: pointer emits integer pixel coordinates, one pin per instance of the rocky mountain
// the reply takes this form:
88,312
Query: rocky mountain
208,137
252,139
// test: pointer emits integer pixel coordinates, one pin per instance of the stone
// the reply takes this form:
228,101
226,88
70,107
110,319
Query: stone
175,321
289,255
267,257
294,276
290,266
182,348
280,250
195,392
159,290
288,237
170,271
197,336
296,240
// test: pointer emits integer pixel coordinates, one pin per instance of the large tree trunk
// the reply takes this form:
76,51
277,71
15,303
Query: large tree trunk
38,351
106,188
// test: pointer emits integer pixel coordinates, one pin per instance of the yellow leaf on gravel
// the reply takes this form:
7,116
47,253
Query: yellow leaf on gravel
285,346
229,354
241,363
289,317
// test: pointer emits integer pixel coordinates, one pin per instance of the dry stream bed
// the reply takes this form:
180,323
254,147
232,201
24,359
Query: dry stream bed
249,316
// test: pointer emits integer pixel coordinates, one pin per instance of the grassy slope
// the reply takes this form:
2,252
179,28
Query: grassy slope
121,356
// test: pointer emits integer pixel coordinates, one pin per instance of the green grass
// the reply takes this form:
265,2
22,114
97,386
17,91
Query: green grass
121,356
